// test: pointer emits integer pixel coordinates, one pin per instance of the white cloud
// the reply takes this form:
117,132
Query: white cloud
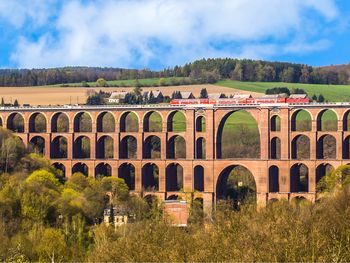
168,32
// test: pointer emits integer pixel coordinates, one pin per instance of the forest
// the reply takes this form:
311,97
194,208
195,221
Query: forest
199,71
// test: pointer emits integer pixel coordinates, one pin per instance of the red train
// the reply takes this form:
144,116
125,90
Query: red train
230,101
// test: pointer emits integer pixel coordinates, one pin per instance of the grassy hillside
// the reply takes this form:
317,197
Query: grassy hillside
330,92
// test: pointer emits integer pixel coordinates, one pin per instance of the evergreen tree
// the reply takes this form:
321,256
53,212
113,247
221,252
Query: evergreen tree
321,98
16,104
2,101
203,94
314,97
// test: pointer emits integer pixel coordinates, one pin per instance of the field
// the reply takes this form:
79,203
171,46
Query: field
53,95
330,92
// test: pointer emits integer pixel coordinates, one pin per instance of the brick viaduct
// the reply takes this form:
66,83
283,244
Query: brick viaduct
266,169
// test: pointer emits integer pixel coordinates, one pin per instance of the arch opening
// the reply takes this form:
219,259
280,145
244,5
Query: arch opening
275,150
126,171
275,123
37,123
102,170
128,148
105,122
129,122
80,168
274,179
150,177
299,178
346,121
81,149
60,168
176,147
301,121
37,145
200,124
327,121
326,147
60,123
15,122
174,177
152,122
176,122
346,148
59,148
200,148
198,178
152,147
105,148
301,147
321,171
82,122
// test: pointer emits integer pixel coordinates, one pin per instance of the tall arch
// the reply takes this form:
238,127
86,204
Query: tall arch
200,148
275,123
60,167
150,177
102,170
301,121
174,177
105,122
327,120
105,147
80,168
200,124
60,122
152,122
301,147
176,122
37,122
198,178
59,148
326,147
81,149
176,147
299,178
238,136
322,170
82,122
151,147
129,122
15,122
37,143
274,179
128,148
346,148
346,121
126,171
275,149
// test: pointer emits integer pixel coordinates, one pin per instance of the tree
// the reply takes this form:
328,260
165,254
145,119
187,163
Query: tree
305,74
321,98
101,82
52,246
314,97
16,104
2,101
237,73
203,94
288,75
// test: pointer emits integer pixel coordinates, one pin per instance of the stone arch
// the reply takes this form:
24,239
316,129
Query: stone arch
129,122
37,122
150,177
299,178
198,178
173,197
176,121
105,122
37,144
327,120
59,148
322,170
15,122
275,123
236,183
346,148
128,148
176,147
275,149
301,147
105,147
301,121
174,177
273,179
238,136
153,122
60,167
346,121
326,147
102,170
80,168
200,148
126,171
200,124
82,148
152,147
60,122
82,122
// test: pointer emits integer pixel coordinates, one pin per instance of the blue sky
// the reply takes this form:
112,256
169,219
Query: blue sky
163,33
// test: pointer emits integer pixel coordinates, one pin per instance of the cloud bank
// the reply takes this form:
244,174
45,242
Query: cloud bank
160,33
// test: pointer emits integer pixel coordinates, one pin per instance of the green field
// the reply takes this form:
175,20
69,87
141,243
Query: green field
330,92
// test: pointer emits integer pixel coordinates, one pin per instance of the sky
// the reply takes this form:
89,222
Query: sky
156,34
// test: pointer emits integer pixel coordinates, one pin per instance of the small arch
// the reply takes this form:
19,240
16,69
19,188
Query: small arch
60,122
81,148
275,150
176,122
152,122
102,170
200,148
126,171
60,167
129,122
37,122
327,120
15,122
274,179
105,147
151,147
174,177
128,148
82,122
150,177
80,168
37,144
301,121
275,123
198,178
176,147
105,122
59,148
326,147
301,147
200,124
299,178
